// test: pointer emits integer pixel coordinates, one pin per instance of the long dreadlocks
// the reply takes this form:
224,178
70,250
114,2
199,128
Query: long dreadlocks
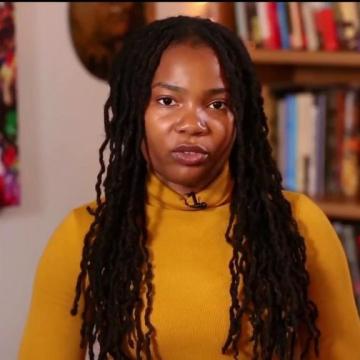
268,252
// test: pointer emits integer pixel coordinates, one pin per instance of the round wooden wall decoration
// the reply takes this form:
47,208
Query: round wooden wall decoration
97,30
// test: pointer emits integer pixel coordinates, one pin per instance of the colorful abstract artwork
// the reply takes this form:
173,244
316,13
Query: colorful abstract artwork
9,180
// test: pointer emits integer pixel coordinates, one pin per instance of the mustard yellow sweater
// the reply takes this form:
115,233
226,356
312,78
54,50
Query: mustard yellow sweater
191,280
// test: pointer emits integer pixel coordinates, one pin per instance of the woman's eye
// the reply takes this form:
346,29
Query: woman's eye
167,101
218,105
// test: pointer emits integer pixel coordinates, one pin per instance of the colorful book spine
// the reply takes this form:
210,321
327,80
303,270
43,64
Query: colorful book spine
291,143
280,135
313,26
349,242
325,23
350,239
330,143
296,32
253,24
264,25
304,141
349,23
318,140
312,40
283,25
313,137
350,162
274,41
340,133
242,26
320,147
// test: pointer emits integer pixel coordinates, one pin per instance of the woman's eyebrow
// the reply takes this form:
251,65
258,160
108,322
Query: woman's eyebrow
177,88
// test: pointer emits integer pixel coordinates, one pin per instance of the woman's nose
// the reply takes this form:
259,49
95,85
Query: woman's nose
193,123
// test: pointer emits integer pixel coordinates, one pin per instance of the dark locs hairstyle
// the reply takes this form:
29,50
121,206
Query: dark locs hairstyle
268,252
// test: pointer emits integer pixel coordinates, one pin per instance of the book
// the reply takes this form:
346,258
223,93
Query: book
242,27
339,135
296,32
350,238
291,123
273,41
321,103
349,23
314,166
254,35
280,139
283,21
325,23
264,26
349,242
330,143
312,41
304,142
350,162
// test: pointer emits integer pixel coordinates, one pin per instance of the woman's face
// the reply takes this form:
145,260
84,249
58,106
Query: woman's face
188,124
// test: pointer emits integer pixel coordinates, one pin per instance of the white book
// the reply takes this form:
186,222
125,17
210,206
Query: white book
280,134
314,167
241,21
309,26
264,26
304,105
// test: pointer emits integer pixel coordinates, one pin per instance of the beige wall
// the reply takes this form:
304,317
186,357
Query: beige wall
60,123
60,120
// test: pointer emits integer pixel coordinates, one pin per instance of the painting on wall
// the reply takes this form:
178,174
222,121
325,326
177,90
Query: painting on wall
9,180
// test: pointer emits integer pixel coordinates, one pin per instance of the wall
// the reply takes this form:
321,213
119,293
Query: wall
60,119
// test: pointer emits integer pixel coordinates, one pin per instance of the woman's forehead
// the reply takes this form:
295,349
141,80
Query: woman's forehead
184,65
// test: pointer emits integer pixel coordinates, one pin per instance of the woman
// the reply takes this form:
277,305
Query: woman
193,251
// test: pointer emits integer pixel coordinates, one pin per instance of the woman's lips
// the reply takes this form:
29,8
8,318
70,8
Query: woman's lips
190,155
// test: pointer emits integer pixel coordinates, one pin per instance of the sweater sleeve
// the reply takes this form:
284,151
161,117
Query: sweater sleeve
51,332
330,284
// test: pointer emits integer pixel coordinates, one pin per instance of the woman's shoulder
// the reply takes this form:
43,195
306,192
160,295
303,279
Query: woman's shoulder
81,214
302,206
67,237
320,236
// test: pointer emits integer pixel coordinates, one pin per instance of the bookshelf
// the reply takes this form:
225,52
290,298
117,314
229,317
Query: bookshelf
307,68
341,209
306,58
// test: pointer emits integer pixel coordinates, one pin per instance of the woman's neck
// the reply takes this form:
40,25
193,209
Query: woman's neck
215,192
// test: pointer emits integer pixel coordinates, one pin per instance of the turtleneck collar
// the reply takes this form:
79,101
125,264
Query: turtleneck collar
217,193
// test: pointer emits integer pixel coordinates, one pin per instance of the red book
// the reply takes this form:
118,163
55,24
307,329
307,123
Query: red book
274,41
326,26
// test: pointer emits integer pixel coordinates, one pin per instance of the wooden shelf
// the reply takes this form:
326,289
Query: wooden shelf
306,68
340,209
310,58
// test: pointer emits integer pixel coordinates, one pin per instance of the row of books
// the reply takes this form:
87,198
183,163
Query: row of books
317,140
312,26
349,235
